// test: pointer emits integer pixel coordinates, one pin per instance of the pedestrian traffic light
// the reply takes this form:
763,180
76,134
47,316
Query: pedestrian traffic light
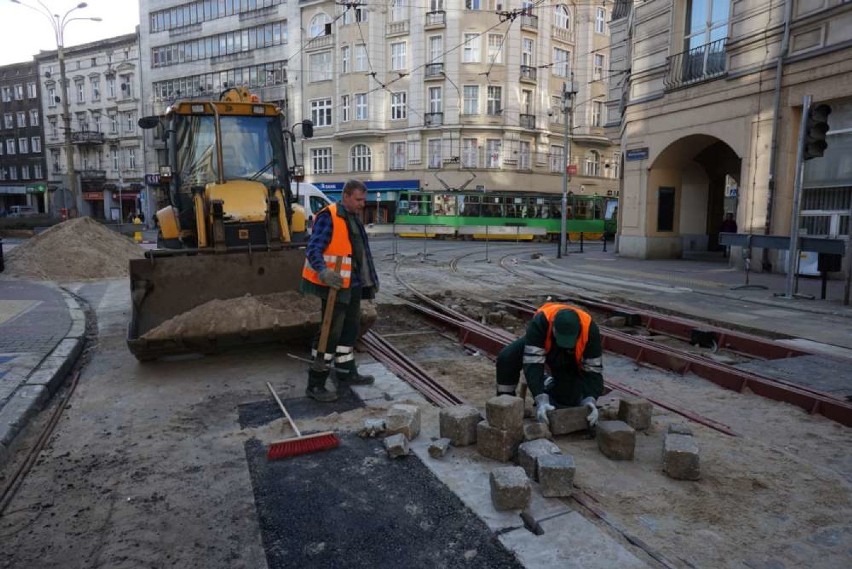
815,131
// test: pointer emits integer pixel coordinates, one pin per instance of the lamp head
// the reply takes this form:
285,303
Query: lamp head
82,5
97,19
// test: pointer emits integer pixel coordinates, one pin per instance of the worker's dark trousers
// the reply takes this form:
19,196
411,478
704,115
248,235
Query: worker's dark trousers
345,323
565,391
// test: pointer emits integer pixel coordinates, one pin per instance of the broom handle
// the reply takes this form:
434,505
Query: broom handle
329,311
283,409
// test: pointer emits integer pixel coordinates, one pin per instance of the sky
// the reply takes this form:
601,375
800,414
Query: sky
24,32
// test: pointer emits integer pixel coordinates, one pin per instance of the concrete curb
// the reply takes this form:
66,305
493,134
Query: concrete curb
44,379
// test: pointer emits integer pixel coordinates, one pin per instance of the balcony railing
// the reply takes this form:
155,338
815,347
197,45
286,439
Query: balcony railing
433,70
561,34
397,28
528,73
433,119
89,174
696,65
87,137
529,21
435,19
319,42
527,121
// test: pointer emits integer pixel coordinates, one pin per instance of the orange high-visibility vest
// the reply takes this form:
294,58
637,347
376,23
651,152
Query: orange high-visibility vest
339,246
550,309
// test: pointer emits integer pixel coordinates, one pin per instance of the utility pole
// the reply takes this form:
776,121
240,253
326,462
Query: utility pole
568,93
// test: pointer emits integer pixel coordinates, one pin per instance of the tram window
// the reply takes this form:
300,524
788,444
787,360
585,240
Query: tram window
611,209
445,204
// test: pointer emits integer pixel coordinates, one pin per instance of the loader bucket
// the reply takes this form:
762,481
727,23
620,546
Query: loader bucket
206,302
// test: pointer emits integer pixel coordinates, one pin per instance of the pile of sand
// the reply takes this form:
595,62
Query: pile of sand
76,249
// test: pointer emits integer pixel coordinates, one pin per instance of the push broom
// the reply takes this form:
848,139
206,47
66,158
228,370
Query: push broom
300,444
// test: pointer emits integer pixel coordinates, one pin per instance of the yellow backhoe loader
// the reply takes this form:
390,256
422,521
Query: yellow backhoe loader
231,228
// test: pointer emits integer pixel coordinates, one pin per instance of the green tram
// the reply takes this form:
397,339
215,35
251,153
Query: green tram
504,215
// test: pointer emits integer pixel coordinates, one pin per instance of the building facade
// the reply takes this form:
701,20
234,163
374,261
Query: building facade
709,116
104,81
440,94
22,158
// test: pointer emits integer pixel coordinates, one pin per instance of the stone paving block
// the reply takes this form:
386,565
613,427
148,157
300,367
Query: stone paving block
458,423
636,412
404,419
396,445
568,420
495,443
616,440
679,429
510,488
505,412
556,475
608,407
437,449
680,457
530,452
535,430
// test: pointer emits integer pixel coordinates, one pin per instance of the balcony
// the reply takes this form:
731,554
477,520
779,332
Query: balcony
527,121
433,119
561,34
86,137
529,22
93,175
397,28
697,65
320,42
434,71
529,73
436,19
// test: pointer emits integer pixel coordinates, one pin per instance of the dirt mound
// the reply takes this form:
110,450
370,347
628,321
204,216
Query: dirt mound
76,249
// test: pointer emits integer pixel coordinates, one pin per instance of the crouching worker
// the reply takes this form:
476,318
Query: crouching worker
563,340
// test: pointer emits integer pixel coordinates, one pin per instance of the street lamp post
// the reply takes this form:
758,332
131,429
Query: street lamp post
58,23
568,93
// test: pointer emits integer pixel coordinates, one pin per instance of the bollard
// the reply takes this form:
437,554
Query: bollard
137,234
2,263
581,242
604,240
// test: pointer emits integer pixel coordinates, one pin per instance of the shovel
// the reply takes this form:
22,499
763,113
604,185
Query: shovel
319,364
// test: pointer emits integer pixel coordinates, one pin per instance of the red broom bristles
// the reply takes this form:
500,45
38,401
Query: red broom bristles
302,445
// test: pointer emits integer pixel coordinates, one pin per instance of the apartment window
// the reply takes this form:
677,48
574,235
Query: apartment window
22,119
25,172
471,100
37,173
321,160
492,153
51,97
434,153
318,23
131,158
344,108
81,122
19,92
113,124
524,156
129,122
470,53
34,119
96,89
436,102
361,57
593,163
23,146
600,21
598,113
7,94
9,120
345,54
557,158
469,153
473,4
399,11
320,66
495,48
321,112
615,166
113,154
31,91
398,56
10,146
527,102
361,159
110,83
96,122
54,132
561,62
598,69
126,86
706,29
36,144
399,105
361,106
397,156
81,91
495,100
528,52
436,49
562,17
356,14
13,172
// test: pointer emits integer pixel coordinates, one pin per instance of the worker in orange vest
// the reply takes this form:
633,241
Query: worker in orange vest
564,340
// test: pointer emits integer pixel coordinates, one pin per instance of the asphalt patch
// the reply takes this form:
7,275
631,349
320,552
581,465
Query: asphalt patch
253,415
353,507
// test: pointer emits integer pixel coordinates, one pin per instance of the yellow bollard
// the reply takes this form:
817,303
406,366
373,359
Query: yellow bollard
137,235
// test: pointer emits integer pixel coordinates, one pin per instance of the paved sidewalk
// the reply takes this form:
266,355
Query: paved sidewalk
42,330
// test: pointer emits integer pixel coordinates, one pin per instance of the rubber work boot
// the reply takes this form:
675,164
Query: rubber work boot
316,389
355,378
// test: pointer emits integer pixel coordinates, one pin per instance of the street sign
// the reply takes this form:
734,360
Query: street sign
37,188
634,154
152,179
572,169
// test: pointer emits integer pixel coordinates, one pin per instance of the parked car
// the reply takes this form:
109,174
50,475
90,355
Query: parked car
22,211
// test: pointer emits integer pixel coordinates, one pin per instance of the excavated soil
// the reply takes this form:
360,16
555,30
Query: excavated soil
74,250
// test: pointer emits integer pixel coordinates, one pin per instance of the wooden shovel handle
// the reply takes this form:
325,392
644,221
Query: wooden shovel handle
329,312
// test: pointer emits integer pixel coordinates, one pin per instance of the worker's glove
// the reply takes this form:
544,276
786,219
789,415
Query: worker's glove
332,279
542,406
592,417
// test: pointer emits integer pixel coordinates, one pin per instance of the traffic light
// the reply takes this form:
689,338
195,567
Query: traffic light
815,131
